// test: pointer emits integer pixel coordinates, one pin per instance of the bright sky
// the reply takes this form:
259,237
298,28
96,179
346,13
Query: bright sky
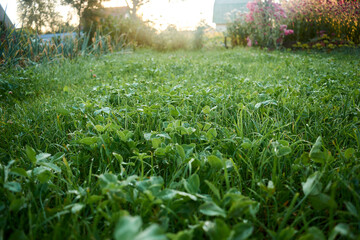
185,14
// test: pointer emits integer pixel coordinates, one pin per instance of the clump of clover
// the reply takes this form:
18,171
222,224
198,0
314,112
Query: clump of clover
265,20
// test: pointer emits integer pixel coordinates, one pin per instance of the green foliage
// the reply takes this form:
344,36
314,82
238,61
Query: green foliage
171,39
36,14
127,31
238,31
20,48
182,145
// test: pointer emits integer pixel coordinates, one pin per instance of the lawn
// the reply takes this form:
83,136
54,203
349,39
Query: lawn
224,144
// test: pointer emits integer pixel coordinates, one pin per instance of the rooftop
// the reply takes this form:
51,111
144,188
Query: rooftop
4,18
223,7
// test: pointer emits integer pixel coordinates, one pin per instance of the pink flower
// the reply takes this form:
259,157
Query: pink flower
10,92
289,32
283,27
251,6
249,17
249,43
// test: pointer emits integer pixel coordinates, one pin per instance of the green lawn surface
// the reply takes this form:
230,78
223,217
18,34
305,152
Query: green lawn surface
222,144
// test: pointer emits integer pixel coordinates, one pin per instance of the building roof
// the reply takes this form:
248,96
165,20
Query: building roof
223,7
5,19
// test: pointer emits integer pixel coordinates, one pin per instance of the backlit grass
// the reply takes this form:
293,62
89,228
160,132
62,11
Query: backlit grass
188,145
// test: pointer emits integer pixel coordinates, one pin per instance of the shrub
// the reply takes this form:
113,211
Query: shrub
20,47
199,35
266,23
125,31
171,39
312,18
263,25
238,30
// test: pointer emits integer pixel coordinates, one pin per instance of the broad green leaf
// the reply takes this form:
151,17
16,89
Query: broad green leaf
213,189
192,185
207,126
283,143
241,207
283,151
118,157
304,158
211,209
217,230
156,142
63,111
246,145
265,103
313,233
89,140
182,130
182,235
127,228
18,235
242,231
147,136
352,209
31,154
58,156
106,179
160,152
188,149
281,148
215,162
44,176
17,203
170,194
322,201
286,234
154,232
94,199
312,186
349,153
181,152
211,134
77,207
341,229
51,166
106,110
99,128
317,154
206,110
13,186
173,111
124,135
19,172
42,156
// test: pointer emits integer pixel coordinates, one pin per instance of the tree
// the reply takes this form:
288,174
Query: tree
36,14
81,5
135,5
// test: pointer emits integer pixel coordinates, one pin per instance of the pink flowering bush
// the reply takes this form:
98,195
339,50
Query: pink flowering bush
311,19
263,24
266,20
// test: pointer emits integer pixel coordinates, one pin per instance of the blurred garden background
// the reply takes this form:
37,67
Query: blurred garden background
43,26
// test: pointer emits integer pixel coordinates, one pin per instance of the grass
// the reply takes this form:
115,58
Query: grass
187,145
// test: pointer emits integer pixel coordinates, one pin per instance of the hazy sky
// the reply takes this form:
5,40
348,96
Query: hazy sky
184,14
